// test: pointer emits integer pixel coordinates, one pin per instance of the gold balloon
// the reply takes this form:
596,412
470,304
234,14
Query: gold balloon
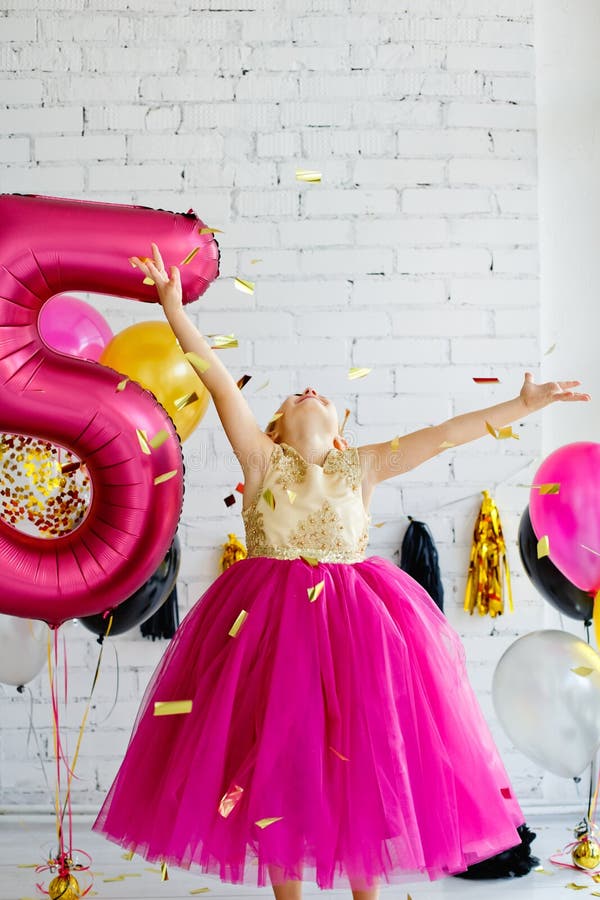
150,354
586,854
64,887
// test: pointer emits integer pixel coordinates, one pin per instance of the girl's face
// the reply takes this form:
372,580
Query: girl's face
307,412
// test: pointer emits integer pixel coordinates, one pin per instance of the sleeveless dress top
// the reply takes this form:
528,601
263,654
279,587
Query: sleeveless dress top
306,510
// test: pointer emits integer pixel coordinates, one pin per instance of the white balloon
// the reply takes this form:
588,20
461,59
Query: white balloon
23,649
550,712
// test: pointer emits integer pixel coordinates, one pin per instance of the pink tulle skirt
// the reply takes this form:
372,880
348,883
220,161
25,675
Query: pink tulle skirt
348,720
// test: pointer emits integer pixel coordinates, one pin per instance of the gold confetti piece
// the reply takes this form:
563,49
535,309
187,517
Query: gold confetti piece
172,707
341,755
121,385
357,373
264,823
197,363
164,872
307,175
148,280
165,477
199,891
150,869
254,261
311,560
491,430
445,445
550,350
269,498
247,287
159,439
115,878
208,230
596,878
291,495
549,488
274,417
576,887
595,893
181,402
27,866
69,468
543,547
542,870
584,671
343,425
128,856
143,440
378,524
394,444
243,381
314,591
230,799
223,341
189,257
132,875
233,631
507,432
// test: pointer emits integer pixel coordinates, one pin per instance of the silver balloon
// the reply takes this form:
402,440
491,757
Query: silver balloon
23,649
546,692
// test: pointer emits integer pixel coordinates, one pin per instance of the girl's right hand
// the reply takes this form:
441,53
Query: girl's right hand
167,287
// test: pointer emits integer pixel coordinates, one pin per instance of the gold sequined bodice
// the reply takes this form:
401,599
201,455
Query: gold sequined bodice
303,509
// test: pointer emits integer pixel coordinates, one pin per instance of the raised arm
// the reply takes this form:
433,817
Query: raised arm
399,455
251,446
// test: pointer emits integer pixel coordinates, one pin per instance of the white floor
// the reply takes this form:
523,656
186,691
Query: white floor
24,841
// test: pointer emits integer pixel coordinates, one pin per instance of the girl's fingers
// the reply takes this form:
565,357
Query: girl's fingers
157,257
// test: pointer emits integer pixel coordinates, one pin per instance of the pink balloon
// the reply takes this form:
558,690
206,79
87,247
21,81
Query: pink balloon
47,246
72,326
571,518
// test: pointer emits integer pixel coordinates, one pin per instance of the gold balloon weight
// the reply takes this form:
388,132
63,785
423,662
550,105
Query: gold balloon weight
64,887
586,853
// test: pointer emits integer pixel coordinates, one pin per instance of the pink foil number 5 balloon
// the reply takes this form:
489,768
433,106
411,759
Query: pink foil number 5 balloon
48,246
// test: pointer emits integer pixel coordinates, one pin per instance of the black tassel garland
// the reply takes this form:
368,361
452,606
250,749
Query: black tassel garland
165,621
419,558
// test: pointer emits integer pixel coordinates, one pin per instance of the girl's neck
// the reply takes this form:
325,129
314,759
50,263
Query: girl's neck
312,448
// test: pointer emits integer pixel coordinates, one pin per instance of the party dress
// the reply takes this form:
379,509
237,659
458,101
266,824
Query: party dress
333,731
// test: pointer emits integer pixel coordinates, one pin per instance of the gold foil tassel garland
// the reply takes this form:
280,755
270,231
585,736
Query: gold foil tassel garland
489,574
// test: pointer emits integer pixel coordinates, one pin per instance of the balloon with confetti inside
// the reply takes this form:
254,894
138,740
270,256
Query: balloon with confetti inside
44,489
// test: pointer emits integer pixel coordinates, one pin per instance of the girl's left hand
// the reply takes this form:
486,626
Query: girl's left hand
537,396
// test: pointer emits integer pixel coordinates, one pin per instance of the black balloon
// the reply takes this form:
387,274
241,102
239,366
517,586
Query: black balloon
550,581
146,600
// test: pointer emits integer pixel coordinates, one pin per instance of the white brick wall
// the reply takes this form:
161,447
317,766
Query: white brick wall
417,255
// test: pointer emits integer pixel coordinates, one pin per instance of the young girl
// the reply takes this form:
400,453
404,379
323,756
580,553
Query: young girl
332,728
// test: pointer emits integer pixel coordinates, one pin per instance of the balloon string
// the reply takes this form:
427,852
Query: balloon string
117,684
55,727
71,769
33,731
